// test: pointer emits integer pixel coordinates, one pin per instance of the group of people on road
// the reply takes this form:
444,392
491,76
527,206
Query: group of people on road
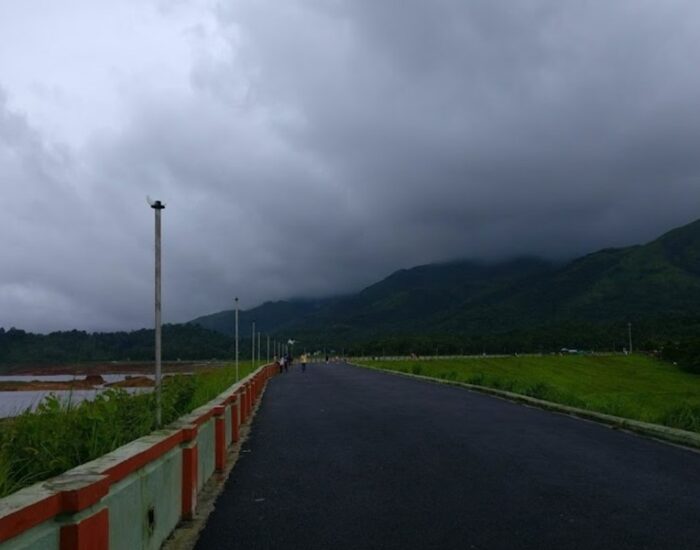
287,360
284,362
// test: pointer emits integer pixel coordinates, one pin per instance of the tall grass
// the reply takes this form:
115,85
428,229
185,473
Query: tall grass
60,435
636,387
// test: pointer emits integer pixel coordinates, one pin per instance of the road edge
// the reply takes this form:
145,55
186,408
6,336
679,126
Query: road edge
187,532
675,436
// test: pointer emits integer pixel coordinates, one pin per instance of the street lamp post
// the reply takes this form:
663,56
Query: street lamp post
629,335
157,207
236,331
259,335
253,349
268,348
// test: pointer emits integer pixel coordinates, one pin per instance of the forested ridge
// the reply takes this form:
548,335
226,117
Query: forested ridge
462,307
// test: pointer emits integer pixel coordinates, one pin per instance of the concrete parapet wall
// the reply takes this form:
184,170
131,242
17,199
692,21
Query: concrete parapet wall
133,497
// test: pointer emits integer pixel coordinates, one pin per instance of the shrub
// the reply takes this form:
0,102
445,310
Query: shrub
685,354
685,417
499,384
539,390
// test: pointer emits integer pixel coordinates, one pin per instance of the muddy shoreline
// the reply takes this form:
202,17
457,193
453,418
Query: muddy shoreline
91,382
107,367
88,376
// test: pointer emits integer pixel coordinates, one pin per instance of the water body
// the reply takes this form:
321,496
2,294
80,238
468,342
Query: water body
13,403
108,378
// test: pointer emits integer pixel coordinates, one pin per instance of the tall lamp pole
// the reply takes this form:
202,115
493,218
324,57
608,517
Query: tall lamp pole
268,348
236,338
253,350
629,334
158,206
259,345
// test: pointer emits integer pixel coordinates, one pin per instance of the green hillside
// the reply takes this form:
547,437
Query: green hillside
527,303
270,317
422,298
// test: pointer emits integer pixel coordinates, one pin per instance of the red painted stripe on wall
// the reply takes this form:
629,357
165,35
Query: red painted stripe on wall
24,519
131,464
90,534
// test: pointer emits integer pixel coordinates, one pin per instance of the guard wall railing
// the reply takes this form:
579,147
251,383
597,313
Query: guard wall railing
135,496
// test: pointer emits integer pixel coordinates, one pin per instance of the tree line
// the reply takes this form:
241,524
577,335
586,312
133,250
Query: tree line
676,340
185,342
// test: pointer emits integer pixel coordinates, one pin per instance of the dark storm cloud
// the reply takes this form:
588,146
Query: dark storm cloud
489,124
321,145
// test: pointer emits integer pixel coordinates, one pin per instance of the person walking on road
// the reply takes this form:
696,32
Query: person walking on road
304,359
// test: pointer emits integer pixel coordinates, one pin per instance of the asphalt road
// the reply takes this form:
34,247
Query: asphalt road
346,458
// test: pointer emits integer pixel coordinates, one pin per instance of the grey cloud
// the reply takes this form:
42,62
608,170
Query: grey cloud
331,142
53,274
518,111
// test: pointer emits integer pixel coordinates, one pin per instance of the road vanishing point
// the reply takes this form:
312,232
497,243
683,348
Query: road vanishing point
342,457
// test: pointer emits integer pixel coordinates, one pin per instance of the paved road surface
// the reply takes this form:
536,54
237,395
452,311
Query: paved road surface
346,458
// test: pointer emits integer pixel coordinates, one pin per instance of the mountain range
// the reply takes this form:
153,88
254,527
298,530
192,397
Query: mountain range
526,301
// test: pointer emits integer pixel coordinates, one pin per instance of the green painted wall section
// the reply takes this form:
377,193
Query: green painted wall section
205,453
45,536
159,486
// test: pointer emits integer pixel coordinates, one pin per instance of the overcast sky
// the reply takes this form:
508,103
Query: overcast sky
311,147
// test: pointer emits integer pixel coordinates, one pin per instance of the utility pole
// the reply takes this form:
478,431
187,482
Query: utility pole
253,348
259,346
268,348
629,334
236,300
158,206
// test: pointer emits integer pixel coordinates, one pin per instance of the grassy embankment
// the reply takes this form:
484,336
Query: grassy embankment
60,435
635,386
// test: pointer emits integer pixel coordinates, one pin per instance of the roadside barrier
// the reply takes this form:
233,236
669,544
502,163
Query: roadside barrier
135,496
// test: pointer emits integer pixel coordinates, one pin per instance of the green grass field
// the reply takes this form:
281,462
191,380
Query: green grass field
636,386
